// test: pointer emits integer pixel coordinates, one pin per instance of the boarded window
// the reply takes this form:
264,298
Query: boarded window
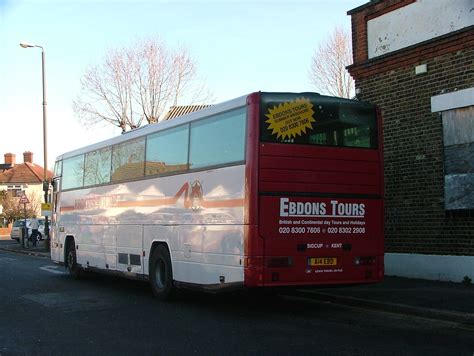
458,134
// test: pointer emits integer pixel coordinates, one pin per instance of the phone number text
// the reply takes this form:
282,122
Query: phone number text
317,230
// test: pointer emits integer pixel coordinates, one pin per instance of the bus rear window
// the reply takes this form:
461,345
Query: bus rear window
312,119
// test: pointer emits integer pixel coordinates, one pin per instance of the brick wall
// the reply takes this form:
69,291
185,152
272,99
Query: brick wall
416,221
5,231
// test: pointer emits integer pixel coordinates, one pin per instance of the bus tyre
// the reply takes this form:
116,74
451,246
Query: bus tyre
161,273
71,261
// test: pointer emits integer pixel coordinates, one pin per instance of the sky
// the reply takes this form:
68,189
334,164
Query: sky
239,47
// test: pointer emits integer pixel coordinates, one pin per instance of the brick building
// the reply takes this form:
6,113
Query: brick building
415,59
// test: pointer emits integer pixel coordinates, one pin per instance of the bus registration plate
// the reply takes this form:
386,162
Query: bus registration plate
322,261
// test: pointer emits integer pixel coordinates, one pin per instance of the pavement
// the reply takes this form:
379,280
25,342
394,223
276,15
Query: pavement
13,246
446,301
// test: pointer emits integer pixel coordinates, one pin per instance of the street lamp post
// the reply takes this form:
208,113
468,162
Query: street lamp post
45,141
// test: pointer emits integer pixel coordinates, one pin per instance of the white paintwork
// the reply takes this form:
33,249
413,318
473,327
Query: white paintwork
421,69
205,244
433,267
453,100
417,22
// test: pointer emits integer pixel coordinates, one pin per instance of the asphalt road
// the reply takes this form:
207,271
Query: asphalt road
45,312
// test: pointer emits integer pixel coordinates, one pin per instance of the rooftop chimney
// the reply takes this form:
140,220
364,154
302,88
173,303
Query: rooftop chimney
28,157
9,159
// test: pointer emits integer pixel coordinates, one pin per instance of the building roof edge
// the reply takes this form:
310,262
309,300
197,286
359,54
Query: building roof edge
362,7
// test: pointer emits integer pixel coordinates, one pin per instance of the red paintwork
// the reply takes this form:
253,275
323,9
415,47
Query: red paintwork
310,174
253,242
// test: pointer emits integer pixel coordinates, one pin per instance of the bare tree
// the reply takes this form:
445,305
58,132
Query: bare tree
328,71
135,85
13,210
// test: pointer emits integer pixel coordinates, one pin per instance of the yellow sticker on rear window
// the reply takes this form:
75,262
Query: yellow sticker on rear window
291,118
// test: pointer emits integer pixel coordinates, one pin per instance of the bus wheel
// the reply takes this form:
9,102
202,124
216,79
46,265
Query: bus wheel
161,274
71,261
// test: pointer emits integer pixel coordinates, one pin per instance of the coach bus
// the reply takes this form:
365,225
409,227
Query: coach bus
266,190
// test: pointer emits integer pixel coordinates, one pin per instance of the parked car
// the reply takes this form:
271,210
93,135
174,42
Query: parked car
18,225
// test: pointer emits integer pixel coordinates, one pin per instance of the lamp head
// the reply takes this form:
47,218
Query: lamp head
25,45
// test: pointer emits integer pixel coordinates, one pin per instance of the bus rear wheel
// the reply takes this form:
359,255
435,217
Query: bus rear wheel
161,274
71,260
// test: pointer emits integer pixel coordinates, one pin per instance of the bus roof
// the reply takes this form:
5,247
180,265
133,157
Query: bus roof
162,125
193,116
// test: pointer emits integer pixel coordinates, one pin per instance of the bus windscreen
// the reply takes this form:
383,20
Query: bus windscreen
313,119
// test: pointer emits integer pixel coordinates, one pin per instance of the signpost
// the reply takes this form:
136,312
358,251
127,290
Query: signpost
24,200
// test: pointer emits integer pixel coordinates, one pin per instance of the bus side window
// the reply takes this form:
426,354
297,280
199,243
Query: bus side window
73,172
218,140
128,160
97,167
167,151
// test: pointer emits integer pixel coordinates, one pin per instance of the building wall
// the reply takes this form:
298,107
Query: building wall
421,21
419,229
36,190
416,220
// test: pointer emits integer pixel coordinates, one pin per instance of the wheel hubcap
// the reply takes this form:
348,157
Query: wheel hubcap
70,260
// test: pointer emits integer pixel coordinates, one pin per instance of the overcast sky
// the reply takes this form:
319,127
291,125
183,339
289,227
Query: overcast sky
239,46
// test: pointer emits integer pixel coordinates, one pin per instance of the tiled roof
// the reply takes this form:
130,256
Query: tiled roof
24,173
176,111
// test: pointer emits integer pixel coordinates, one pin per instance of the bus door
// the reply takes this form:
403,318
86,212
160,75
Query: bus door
54,231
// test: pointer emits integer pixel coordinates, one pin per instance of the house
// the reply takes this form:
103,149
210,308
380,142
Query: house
414,59
23,178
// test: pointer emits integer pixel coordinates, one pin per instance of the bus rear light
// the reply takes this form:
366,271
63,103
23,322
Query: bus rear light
364,261
277,262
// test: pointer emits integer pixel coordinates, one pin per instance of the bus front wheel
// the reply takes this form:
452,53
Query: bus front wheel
71,260
161,274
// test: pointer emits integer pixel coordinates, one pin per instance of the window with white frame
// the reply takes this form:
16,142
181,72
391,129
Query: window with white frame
16,190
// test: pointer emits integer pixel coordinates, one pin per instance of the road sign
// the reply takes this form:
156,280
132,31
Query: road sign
46,209
24,200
